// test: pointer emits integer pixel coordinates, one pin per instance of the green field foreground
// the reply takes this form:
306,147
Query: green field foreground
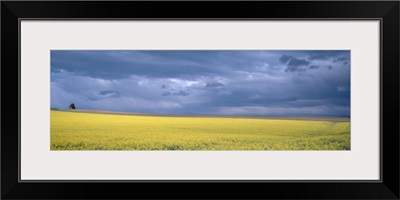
94,131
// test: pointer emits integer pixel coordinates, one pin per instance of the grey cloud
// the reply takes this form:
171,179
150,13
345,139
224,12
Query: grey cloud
188,64
215,84
293,63
181,93
297,62
166,94
322,55
105,92
285,58
328,55
294,69
103,64
342,89
199,82
319,57
110,93
92,98
343,59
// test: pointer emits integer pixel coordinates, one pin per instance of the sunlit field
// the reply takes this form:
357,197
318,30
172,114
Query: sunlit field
96,131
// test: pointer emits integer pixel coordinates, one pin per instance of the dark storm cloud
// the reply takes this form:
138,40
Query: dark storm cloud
113,65
295,69
342,59
214,84
166,93
122,64
327,55
295,62
106,92
285,58
320,57
181,93
231,82
323,55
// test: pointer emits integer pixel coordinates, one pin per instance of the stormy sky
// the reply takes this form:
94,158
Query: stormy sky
203,82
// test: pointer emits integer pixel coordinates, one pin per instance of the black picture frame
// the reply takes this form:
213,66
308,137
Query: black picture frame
386,11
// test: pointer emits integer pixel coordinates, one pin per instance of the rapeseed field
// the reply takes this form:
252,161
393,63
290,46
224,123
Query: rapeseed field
94,131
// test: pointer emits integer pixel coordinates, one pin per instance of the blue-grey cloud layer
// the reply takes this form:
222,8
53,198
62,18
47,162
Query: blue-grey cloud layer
226,82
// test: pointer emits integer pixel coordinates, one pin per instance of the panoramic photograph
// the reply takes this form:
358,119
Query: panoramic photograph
200,100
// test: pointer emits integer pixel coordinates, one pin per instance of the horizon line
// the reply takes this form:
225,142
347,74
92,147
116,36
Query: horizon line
298,117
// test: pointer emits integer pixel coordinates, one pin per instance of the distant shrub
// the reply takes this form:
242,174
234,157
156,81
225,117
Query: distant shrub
72,106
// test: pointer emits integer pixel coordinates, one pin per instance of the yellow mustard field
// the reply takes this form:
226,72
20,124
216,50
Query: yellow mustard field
93,131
